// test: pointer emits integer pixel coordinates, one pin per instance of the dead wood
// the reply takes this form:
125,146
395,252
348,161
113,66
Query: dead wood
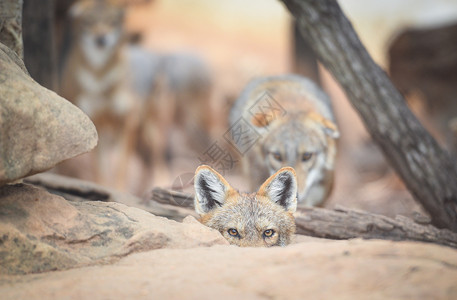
342,223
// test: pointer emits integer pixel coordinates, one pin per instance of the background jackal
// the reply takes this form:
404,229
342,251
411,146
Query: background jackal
259,219
286,121
135,97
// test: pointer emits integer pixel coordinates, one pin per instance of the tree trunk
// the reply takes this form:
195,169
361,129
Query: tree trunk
304,59
39,45
11,25
429,172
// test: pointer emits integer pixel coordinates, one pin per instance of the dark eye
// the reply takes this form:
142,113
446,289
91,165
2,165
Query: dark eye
268,233
233,232
277,156
306,156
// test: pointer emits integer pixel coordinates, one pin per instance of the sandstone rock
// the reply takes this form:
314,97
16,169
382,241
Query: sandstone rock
353,269
42,232
38,129
81,190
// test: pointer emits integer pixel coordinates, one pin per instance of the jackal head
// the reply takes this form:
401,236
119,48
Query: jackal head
98,28
259,219
307,142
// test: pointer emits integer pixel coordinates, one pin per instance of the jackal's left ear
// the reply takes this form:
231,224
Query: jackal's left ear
329,127
211,189
281,188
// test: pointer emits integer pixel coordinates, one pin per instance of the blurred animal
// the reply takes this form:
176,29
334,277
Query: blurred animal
96,80
259,219
95,73
133,96
286,121
176,91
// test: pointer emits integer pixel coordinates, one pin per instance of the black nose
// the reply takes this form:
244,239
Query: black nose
100,41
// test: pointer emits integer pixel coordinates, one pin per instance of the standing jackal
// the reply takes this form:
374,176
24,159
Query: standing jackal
259,219
286,121
133,96
95,78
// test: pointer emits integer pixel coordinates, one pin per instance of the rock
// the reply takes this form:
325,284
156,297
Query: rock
41,232
38,129
353,269
123,253
81,190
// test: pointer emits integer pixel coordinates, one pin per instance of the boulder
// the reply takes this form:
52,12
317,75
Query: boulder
354,269
41,232
38,129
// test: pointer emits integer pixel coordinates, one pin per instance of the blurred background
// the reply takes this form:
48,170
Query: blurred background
179,66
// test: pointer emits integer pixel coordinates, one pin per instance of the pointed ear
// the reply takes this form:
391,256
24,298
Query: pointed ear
211,189
281,188
261,120
329,127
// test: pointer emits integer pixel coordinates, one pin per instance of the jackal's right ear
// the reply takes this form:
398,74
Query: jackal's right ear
261,120
211,189
281,188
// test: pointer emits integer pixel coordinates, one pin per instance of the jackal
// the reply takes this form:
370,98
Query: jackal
259,219
96,73
96,79
132,95
286,121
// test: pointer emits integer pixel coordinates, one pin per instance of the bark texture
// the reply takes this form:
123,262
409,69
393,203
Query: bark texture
304,59
429,172
11,25
343,223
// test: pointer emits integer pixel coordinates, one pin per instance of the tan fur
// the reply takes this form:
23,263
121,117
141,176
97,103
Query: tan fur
96,80
250,214
299,130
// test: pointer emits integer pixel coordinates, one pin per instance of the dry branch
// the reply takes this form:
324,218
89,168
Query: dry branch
344,223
